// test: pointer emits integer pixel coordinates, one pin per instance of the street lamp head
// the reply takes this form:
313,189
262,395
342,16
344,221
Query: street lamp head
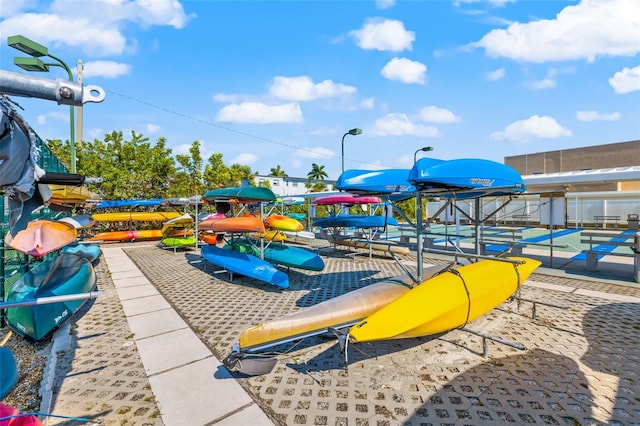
423,149
31,64
27,46
355,131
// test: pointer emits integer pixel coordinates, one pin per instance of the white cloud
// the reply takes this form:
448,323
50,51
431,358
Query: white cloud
304,89
255,112
385,4
583,31
433,114
317,152
223,97
597,116
106,69
626,81
384,35
397,124
94,27
405,70
152,128
495,3
369,103
533,127
54,115
495,75
244,159
545,83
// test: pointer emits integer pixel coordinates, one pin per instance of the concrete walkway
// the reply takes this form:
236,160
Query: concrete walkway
190,385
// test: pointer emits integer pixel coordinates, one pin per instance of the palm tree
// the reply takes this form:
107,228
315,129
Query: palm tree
278,172
317,172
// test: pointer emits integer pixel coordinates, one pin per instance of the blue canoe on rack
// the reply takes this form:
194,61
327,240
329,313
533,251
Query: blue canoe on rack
354,221
245,264
391,184
279,254
465,178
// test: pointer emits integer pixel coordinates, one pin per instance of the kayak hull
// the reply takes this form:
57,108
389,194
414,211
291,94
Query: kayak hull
446,301
41,237
67,274
240,224
145,234
283,223
135,216
354,221
245,264
279,254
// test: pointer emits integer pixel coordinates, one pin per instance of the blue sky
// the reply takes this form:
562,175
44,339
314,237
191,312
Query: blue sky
270,83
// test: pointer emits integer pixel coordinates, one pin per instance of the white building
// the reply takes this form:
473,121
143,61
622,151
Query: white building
290,186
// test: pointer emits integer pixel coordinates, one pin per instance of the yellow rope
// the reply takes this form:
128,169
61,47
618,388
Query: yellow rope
6,338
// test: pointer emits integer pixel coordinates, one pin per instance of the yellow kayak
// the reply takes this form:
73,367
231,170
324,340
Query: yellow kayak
70,194
338,312
446,301
283,223
177,223
134,216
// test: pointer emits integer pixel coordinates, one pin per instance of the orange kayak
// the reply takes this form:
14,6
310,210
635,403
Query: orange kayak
41,237
247,223
146,234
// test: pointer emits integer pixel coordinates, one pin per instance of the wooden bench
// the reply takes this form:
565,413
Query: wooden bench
497,235
604,220
595,239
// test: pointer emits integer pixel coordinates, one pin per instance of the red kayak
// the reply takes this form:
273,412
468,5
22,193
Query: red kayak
10,416
345,198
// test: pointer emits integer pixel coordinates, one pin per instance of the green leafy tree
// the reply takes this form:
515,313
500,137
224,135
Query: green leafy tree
188,179
128,168
317,172
219,175
278,172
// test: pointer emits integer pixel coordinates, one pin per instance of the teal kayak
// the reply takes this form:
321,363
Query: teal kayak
91,252
241,193
245,264
279,254
8,372
67,274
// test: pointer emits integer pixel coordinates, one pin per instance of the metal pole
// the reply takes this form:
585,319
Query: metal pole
343,150
419,236
2,257
79,111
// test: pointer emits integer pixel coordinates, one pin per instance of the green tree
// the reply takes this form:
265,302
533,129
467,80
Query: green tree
317,172
219,175
128,168
188,179
278,172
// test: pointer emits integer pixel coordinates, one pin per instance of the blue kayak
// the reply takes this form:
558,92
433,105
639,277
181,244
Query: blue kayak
111,204
245,264
8,372
354,221
466,178
392,184
279,254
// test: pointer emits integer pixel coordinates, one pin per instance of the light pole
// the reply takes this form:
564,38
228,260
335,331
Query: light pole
32,63
424,149
350,132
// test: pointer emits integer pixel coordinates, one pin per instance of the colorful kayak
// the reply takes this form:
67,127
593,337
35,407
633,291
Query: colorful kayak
91,252
446,301
135,216
346,198
283,223
465,177
271,235
244,194
245,264
177,223
188,241
249,223
354,221
114,204
10,416
70,194
65,275
42,237
337,313
389,183
279,254
80,221
145,234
